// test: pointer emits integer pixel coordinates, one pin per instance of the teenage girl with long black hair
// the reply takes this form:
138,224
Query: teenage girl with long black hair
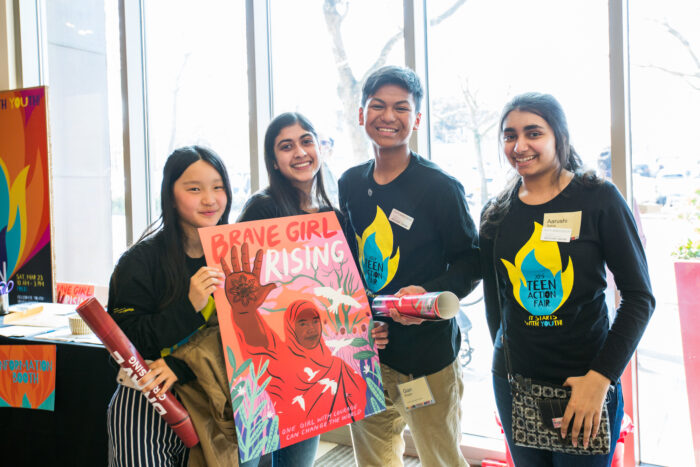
292,160
550,288
160,294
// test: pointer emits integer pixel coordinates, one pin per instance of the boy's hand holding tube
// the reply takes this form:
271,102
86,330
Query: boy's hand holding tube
403,319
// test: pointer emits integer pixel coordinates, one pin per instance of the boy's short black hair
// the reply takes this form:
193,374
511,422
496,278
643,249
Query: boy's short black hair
398,75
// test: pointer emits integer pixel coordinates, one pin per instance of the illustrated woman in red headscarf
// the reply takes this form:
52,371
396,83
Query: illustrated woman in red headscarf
307,380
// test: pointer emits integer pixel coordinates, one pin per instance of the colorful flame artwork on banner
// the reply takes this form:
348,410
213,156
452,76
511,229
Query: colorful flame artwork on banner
25,232
28,376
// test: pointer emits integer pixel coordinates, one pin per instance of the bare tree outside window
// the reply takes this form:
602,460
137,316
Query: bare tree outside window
350,80
466,118
692,78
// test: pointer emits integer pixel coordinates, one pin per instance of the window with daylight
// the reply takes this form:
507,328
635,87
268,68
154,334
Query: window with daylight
129,82
81,68
197,87
665,95
496,61
318,68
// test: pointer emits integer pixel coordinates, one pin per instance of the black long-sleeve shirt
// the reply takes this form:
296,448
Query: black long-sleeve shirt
552,293
261,206
136,292
415,230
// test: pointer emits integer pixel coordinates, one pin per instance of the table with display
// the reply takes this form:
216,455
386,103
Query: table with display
75,433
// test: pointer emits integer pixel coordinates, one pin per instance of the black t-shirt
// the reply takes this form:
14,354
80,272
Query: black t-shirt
262,205
415,230
552,293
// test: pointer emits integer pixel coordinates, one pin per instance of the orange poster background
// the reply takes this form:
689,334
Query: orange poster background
28,376
298,407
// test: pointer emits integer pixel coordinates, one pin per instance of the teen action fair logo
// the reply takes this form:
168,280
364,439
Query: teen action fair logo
375,248
540,285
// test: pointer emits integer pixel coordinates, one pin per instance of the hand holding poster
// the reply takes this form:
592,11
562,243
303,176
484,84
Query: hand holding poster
295,325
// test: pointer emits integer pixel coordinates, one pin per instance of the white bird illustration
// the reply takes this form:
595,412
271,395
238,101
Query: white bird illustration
336,297
299,400
329,384
337,344
310,373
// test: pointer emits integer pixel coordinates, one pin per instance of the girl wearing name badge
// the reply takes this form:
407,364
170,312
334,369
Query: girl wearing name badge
292,160
545,241
160,294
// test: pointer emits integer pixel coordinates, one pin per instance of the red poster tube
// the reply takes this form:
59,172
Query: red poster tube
126,355
431,305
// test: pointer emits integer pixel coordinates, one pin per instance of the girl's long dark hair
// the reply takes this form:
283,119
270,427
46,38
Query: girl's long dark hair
547,107
168,224
287,197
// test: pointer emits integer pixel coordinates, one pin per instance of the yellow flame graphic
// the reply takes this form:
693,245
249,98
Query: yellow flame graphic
18,198
17,208
375,247
547,258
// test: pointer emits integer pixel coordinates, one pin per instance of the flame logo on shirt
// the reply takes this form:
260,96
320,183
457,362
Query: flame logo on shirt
539,285
375,247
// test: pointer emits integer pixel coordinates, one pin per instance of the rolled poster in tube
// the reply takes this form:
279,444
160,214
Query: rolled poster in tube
126,355
430,305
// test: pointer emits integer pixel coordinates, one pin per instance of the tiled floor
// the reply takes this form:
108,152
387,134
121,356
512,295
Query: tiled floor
335,455
323,448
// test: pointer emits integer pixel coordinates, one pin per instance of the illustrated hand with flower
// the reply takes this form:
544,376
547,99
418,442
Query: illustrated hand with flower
245,294
305,379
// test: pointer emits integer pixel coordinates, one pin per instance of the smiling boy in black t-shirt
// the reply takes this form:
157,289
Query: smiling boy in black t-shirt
414,235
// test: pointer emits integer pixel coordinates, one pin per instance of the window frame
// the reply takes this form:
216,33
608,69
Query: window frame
30,69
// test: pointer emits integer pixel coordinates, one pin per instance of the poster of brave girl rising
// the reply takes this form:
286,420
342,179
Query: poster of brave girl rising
295,325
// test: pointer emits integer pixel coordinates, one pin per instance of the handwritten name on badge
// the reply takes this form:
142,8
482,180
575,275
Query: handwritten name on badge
399,218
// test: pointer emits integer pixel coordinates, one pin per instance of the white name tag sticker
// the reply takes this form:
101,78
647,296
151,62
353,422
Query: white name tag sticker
555,234
416,393
399,218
